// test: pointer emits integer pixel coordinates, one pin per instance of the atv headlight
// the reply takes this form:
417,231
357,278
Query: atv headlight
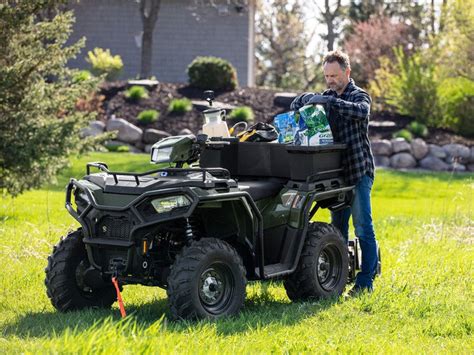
170,203
161,155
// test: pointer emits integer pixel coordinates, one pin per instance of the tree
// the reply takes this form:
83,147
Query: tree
331,16
149,13
39,125
371,40
281,44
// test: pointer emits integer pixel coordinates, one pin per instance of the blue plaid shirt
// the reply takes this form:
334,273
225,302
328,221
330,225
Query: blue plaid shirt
348,116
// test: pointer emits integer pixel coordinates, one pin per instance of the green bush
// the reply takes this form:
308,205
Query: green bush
457,100
244,113
212,73
148,116
180,106
136,93
409,86
103,62
80,76
418,129
404,133
117,148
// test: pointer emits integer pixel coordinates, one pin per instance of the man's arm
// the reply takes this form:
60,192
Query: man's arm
357,110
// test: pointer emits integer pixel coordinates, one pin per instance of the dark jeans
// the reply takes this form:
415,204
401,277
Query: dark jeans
364,230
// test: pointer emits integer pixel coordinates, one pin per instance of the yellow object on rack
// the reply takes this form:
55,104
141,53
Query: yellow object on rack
246,135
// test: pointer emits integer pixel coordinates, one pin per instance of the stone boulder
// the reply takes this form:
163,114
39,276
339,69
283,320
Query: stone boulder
151,135
381,147
470,167
457,167
127,132
184,132
419,148
458,152
432,162
114,144
95,128
437,151
381,161
400,145
284,99
402,161
471,159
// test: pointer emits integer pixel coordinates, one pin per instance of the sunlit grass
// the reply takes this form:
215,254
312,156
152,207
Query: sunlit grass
423,302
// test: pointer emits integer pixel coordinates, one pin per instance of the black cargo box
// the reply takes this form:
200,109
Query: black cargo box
252,159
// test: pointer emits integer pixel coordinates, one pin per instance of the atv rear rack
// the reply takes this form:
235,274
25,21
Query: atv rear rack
218,172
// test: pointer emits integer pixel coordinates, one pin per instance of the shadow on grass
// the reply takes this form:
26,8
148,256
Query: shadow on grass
258,312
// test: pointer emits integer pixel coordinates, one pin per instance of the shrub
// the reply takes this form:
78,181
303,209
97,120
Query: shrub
418,129
180,106
457,100
102,62
404,133
148,116
117,148
212,73
244,113
136,93
80,76
409,86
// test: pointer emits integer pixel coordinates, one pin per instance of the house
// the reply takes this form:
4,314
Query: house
184,29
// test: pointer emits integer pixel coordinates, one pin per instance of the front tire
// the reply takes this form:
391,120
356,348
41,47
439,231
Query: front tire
64,282
207,280
323,266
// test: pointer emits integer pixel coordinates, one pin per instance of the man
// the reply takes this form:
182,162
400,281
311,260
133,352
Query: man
348,107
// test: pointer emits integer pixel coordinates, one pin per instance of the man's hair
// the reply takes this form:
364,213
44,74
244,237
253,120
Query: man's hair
339,57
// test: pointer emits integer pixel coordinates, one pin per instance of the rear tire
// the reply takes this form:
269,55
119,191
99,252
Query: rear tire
207,280
65,286
323,266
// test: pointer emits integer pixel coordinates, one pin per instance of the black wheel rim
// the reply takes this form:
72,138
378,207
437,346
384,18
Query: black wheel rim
216,287
329,267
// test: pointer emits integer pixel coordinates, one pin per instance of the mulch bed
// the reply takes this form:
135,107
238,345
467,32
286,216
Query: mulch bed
261,101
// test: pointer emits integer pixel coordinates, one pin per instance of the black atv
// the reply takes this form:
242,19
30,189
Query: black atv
245,213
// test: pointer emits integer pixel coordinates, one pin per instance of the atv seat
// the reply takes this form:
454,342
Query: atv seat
260,189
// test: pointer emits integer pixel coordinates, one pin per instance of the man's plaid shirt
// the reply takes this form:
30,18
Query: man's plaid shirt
348,116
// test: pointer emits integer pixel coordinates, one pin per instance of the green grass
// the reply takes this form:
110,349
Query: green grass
423,302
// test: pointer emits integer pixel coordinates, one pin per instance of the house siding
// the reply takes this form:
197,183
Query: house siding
178,36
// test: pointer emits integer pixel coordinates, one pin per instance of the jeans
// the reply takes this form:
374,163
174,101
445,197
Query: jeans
364,230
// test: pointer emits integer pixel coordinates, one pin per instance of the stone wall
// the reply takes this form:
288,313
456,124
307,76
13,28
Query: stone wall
400,154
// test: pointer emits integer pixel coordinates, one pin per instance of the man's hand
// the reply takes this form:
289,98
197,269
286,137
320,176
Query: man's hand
300,100
319,100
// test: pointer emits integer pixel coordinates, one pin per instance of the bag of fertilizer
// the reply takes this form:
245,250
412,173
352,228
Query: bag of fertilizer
314,127
287,126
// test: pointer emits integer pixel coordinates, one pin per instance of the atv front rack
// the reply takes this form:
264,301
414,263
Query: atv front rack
164,172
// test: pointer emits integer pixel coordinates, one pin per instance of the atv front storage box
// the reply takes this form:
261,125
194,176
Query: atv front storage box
256,159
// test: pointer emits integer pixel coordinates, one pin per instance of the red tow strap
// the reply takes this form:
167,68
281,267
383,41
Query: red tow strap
119,297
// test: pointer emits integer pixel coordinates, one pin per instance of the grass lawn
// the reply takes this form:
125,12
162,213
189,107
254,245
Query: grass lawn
423,302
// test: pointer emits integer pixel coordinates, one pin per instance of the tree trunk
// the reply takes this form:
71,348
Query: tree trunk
149,13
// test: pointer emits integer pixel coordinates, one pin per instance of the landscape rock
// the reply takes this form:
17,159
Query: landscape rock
127,132
437,151
94,129
400,145
381,161
457,167
432,162
470,167
457,152
402,161
151,135
419,148
116,143
284,99
471,159
381,147
184,132
148,148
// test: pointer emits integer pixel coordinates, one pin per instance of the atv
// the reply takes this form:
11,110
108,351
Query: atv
245,213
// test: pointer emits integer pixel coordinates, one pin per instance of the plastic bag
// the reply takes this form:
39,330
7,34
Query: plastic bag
287,126
314,127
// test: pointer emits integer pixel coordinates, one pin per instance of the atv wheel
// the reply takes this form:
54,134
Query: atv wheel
323,266
207,280
64,278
